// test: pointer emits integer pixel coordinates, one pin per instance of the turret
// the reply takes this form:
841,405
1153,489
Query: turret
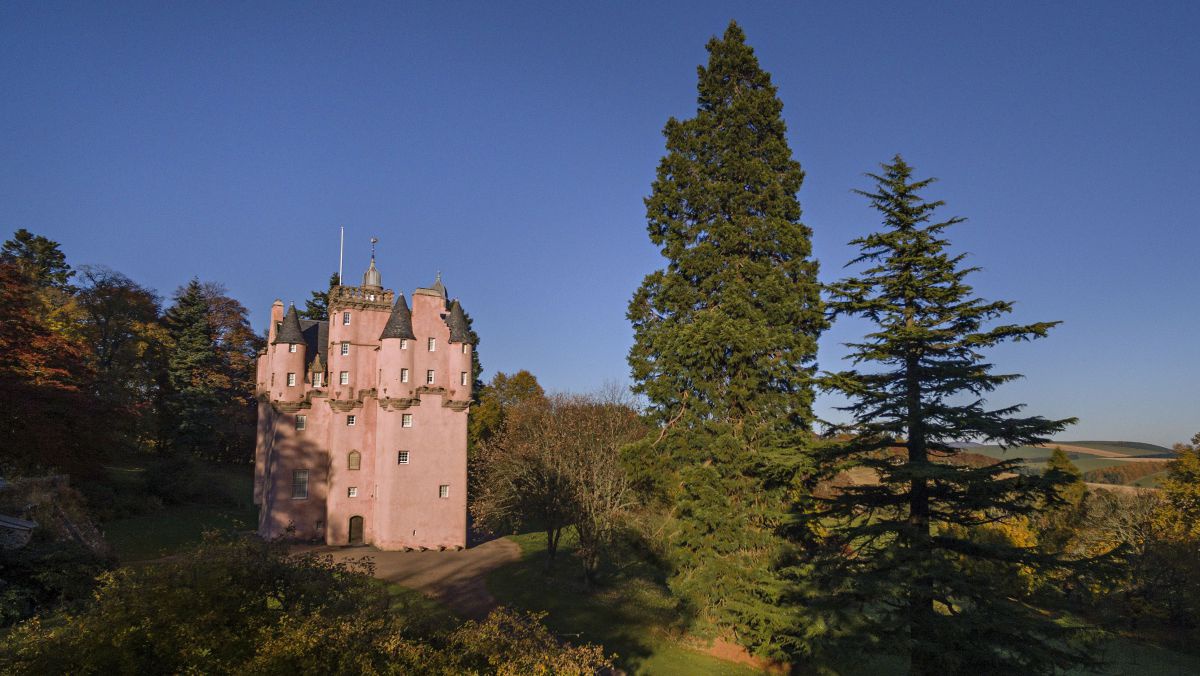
460,352
396,347
287,359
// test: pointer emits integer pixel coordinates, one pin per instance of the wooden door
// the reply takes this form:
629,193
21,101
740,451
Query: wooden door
356,530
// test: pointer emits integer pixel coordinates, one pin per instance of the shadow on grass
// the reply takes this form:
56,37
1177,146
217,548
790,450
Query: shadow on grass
630,612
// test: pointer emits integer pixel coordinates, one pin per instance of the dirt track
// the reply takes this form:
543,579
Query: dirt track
454,578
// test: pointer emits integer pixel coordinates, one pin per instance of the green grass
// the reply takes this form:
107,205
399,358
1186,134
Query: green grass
1130,447
631,615
1027,452
169,529
1150,480
1127,658
172,529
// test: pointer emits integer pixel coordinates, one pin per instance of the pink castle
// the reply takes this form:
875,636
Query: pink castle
362,420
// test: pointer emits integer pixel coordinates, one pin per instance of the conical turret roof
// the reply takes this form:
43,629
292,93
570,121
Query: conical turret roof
399,323
460,332
290,331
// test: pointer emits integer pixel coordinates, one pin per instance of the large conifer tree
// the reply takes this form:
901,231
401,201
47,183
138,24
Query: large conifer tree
193,383
725,339
905,565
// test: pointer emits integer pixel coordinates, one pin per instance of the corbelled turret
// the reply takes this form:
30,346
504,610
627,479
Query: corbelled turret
290,331
399,323
457,321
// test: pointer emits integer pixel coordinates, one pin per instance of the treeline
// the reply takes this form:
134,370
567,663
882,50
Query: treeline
95,365
1124,473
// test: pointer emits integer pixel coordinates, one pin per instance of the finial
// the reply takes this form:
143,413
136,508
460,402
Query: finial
374,241
439,276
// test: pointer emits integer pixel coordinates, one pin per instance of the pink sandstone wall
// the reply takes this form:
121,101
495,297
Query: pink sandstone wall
399,503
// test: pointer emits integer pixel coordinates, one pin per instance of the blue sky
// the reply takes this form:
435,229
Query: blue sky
510,145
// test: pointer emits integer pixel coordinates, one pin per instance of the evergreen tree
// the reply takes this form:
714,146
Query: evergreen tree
317,307
724,341
192,400
39,258
1061,522
904,564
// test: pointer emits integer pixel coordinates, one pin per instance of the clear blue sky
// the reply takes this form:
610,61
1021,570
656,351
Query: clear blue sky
510,146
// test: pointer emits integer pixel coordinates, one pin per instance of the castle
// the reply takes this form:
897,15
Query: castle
362,420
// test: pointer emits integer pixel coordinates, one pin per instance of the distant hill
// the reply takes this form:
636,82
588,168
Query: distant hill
1127,447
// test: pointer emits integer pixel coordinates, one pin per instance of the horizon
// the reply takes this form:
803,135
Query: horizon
510,149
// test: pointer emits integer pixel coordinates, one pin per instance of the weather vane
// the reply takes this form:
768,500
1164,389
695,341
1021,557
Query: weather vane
374,240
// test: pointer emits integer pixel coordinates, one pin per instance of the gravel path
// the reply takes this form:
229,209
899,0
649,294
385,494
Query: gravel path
457,579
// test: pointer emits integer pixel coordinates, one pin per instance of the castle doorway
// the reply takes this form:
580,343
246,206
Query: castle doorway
356,530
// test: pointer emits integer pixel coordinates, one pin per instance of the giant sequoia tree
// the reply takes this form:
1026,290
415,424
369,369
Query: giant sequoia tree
916,562
725,339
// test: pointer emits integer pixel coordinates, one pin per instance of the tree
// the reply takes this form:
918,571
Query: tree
556,463
38,258
504,392
902,563
119,321
1058,523
725,337
237,348
48,419
193,378
317,306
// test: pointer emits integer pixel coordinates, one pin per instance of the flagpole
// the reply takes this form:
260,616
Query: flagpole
341,253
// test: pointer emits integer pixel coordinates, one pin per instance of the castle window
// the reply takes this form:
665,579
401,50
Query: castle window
354,461
345,347
350,420
318,379
406,420
403,343
402,457
432,344
299,484
291,347
444,491
352,492
404,375
463,377
344,377
345,319
291,380
429,376
301,422
466,349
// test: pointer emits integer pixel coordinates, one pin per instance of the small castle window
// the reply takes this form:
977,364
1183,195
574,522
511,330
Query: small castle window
433,344
444,491
318,379
466,349
291,347
301,422
291,380
403,343
350,420
345,319
344,377
402,457
463,377
354,461
404,375
352,492
406,420
429,376
299,484
345,347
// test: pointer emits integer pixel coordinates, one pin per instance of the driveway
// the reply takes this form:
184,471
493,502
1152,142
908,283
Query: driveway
457,579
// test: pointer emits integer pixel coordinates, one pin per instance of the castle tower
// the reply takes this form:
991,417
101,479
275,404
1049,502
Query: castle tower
369,445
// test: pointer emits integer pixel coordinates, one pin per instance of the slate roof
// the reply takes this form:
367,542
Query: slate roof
399,323
13,523
316,340
457,321
290,331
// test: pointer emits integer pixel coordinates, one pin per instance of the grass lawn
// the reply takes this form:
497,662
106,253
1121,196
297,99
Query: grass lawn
631,615
164,531
170,529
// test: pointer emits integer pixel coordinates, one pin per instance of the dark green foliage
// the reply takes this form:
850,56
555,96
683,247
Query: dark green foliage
192,397
317,307
921,563
46,575
39,258
725,339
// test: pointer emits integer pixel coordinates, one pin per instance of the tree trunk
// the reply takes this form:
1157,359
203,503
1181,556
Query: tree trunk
920,596
552,537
